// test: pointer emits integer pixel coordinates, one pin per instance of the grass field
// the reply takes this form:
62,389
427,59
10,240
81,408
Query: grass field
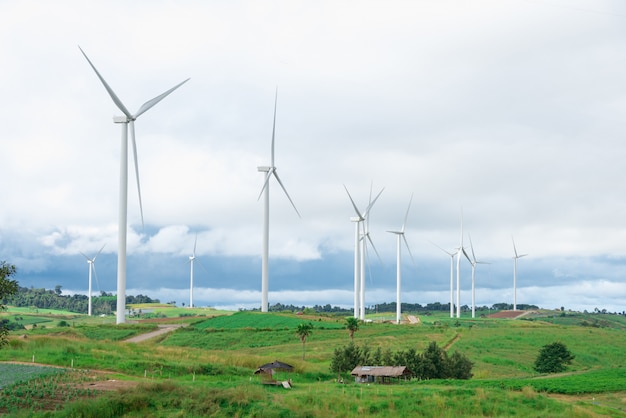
206,368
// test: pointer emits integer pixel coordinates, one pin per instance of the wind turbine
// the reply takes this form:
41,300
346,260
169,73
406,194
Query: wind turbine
473,261
400,235
92,266
515,274
270,171
360,253
127,121
192,258
451,278
460,251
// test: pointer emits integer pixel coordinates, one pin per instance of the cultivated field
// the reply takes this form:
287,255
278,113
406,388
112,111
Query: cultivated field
206,367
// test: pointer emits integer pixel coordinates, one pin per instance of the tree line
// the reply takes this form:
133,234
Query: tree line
39,298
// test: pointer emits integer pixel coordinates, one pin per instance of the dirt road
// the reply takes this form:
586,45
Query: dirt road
163,329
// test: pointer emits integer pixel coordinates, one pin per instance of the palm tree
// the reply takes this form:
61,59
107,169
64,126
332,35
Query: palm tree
352,324
304,330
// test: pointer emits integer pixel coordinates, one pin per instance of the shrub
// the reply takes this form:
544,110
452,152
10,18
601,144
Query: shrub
552,358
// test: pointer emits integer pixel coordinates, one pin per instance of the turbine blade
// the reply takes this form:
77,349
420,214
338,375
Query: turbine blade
467,256
147,105
514,249
265,182
286,194
373,246
83,254
447,252
194,245
367,210
108,88
407,213
132,136
102,248
472,247
274,126
202,265
353,204
408,249
95,274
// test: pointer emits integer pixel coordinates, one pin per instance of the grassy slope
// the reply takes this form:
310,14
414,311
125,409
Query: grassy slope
218,355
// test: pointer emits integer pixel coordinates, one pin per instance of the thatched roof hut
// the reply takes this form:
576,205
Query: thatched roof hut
380,374
267,371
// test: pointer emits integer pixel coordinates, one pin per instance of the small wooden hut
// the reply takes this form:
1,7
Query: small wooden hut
380,374
267,373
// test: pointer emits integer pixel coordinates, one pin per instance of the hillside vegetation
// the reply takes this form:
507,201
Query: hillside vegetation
206,368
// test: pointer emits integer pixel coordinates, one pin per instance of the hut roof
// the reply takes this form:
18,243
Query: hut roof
383,371
268,367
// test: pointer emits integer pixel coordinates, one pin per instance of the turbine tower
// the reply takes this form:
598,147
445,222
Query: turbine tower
400,236
270,171
92,266
128,122
474,262
451,278
360,253
515,274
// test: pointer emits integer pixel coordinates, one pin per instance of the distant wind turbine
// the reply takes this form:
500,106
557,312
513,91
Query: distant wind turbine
451,278
460,251
127,121
515,274
360,253
92,267
192,259
270,171
474,262
400,236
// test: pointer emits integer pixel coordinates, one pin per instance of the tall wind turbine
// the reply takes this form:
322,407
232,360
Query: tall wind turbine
127,121
451,278
359,253
92,266
270,171
364,240
515,274
474,262
400,236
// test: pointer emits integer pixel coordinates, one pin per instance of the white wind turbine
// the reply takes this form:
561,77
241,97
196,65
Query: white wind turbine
515,274
92,267
270,171
359,253
192,259
127,121
364,239
451,278
400,236
460,251
474,262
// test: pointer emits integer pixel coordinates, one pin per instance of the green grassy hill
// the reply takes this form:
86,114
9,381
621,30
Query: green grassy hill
212,361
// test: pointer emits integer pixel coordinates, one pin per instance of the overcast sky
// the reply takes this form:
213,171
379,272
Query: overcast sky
510,112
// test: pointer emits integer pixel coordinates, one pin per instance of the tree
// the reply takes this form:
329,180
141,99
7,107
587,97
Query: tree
8,287
552,358
352,324
304,330
345,359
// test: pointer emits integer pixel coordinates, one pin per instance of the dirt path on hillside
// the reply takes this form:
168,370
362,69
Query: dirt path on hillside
163,329
452,341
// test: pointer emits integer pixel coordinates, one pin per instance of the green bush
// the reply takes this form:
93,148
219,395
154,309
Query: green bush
552,358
